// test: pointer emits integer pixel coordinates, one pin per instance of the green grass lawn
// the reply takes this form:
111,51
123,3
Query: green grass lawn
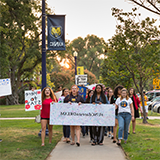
21,141
153,114
145,144
16,111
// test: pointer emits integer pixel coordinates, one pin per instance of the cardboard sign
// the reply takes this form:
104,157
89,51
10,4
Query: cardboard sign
82,115
5,87
33,100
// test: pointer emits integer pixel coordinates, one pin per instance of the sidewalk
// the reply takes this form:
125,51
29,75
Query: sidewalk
109,151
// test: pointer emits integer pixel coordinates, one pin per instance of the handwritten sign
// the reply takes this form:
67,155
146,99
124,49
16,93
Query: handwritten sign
82,115
82,92
33,100
5,87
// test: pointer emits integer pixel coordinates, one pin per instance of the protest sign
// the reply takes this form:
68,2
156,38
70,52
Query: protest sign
33,100
5,87
58,94
82,92
82,115
81,79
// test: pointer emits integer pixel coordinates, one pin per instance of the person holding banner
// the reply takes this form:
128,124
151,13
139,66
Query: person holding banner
74,97
98,98
125,112
66,129
89,95
47,98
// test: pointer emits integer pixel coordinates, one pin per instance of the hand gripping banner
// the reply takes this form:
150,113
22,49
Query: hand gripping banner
56,32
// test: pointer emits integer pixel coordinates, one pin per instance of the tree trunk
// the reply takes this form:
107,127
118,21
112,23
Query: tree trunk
12,99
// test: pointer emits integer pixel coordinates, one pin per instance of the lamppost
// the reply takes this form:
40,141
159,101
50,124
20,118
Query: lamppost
75,54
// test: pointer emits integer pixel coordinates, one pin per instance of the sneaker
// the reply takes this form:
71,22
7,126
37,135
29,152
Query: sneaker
105,134
109,135
112,137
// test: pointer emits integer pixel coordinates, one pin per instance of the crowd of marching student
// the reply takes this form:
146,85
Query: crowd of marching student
127,105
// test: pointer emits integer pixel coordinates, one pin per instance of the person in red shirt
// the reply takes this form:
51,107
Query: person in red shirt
47,98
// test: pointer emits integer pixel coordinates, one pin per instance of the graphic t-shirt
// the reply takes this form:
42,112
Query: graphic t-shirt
124,105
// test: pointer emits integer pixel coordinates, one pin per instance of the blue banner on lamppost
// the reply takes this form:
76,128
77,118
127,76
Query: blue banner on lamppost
56,32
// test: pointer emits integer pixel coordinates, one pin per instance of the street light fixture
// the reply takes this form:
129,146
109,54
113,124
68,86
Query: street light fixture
75,54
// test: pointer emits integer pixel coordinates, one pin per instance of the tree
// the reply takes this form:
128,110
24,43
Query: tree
20,42
111,78
90,53
150,5
135,46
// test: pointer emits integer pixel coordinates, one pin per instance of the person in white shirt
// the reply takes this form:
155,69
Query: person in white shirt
125,113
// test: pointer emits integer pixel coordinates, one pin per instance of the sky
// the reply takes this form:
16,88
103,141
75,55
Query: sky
85,17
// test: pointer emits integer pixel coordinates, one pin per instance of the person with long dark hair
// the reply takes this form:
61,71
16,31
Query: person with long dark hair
74,97
89,95
111,99
66,128
98,98
47,97
136,103
117,93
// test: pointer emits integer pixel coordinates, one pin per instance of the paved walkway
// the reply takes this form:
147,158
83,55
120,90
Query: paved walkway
109,151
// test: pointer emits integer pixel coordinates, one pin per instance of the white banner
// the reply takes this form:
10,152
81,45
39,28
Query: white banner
81,79
33,100
82,115
5,87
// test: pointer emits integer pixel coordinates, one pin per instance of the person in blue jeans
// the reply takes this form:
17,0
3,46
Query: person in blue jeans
125,112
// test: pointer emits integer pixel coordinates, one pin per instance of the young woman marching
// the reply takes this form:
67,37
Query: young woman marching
89,95
74,97
98,98
111,99
66,128
117,93
47,97
136,103
125,113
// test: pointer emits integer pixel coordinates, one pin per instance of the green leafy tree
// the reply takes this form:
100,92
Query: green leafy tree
91,51
20,42
135,47
111,78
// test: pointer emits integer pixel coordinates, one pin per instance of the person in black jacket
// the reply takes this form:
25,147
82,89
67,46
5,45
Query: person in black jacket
89,95
74,97
111,99
98,98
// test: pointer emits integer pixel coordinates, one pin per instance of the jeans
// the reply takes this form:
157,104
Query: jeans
83,130
66,131
124,119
